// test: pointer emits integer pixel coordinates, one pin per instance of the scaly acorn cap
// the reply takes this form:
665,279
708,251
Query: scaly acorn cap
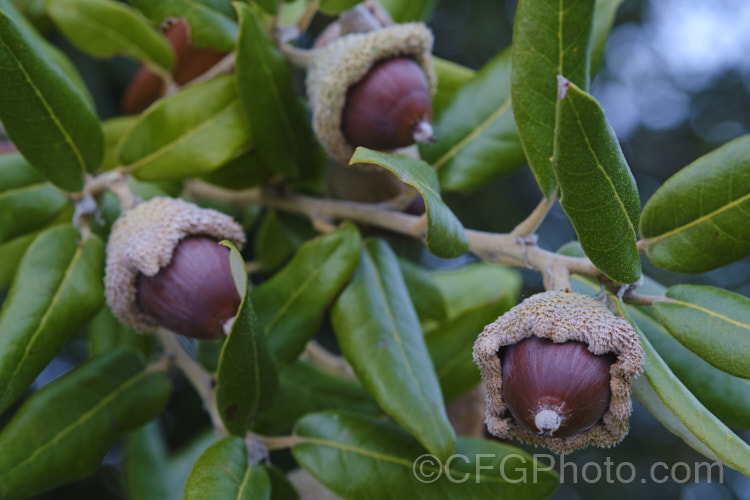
346,61
143,240
562,316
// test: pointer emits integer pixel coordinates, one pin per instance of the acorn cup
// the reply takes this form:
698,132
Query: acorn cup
558,369
373,89
165,268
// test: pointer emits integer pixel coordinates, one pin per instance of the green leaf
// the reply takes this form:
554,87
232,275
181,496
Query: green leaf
424,292
450,343
107,333
711,322
697,220
725,396
305,388
604,18
223,471
62,432
181,463
379,456
55,55
11,253
43,113
477,140
105,28
413,10
279,237
446,237
550,38
379,334
247,377
278,121
335,7
27,201
281,487
190,133
598,192
665,397
291,305
114,130
210,21
451,77
57,289
245,171
145,472
474,285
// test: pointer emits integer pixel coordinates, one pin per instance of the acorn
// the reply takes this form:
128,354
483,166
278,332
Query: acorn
390,107
558,369
373,89
555,389
165,268
190,62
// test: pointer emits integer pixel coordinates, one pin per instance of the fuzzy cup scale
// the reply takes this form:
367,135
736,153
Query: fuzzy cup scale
143,240
346,61
562,316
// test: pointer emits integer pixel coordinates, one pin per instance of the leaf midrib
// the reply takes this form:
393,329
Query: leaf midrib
81,420
68,139
397,338
476,132
189,133
95,25
45,317
699,220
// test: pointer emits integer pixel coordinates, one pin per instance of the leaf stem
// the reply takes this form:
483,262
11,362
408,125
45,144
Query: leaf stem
328,361
531,223
280,442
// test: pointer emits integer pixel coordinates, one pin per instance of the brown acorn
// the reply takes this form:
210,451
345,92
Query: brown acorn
555,389
390,107
558,369
166,268
373,89
190,62
194,294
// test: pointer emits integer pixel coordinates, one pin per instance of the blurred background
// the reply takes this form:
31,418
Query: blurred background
675,84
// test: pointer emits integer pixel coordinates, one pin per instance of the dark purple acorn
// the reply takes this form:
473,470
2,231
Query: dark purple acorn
390,107
195,294
555,390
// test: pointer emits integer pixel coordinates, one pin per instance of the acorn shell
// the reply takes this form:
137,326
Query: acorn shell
143,240
346,61
562,316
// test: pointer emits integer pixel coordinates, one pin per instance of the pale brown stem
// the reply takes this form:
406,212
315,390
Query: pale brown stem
199,378
328,361
531,223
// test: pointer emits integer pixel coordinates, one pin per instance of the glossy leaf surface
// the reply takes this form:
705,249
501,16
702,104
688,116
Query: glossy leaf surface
446,237
43,113
379,334
698,220
57,289
62,432
598,191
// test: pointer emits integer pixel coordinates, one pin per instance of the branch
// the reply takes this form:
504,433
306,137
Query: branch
202,381
505,248
534,220
329,362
